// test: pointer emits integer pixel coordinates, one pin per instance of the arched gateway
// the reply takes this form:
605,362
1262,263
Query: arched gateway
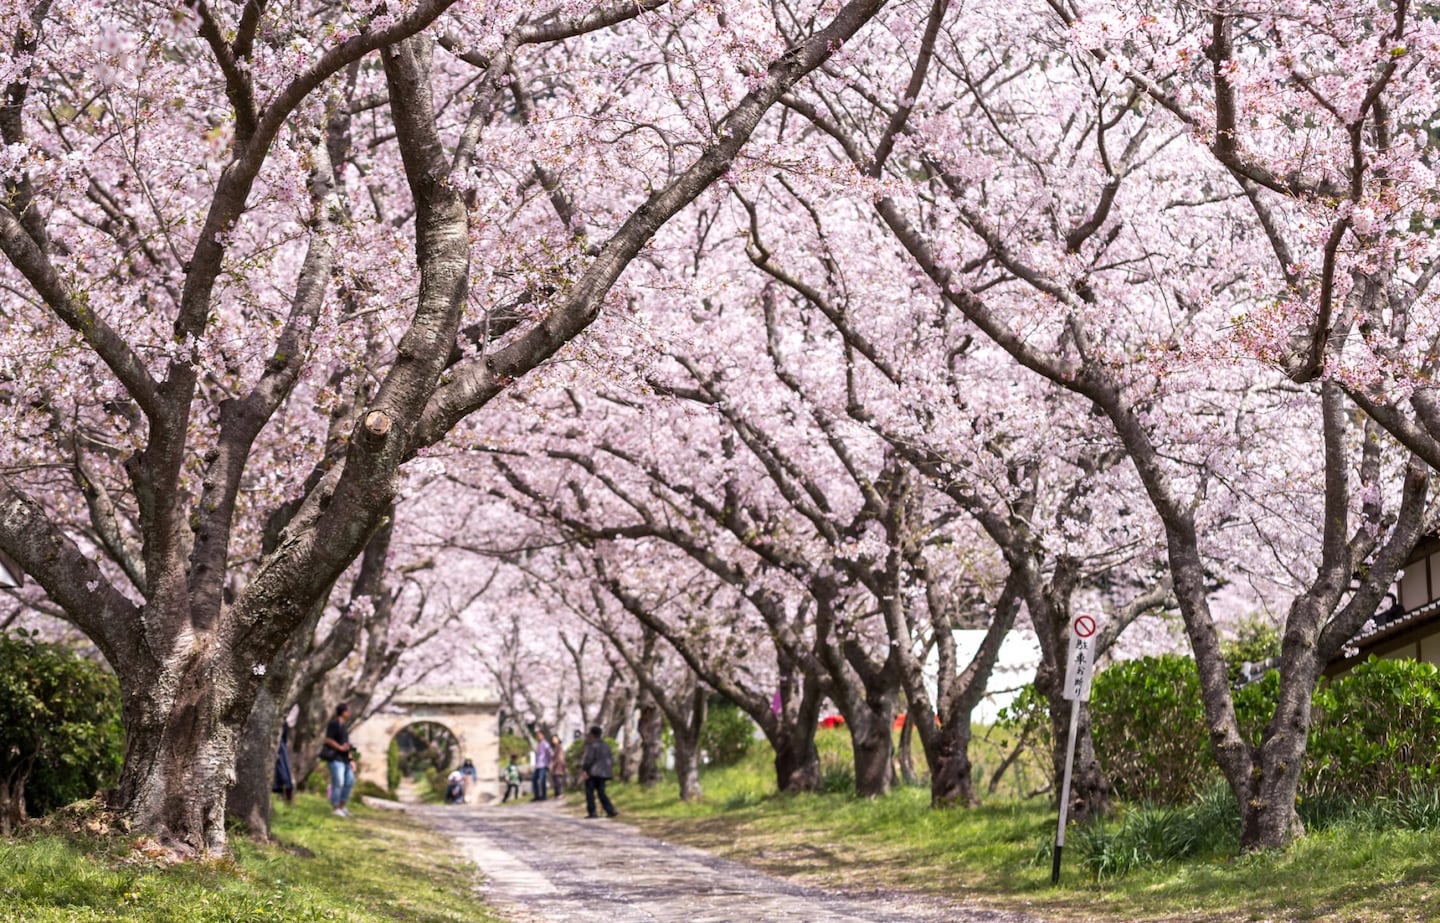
471,714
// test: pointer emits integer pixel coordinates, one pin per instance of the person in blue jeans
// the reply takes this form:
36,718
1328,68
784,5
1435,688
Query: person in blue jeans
538,782
337,754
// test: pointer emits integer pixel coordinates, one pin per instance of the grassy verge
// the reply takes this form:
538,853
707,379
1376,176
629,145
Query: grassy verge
378,866
998,855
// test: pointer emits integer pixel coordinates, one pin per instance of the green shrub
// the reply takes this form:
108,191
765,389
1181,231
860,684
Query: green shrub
60,734
364,788
1254,640
1376,731
393,775
1027,720
1129,702
433,785
726,736
514,745
1255,705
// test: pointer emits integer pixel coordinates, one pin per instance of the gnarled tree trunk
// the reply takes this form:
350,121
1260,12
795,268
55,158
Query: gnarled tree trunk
183,722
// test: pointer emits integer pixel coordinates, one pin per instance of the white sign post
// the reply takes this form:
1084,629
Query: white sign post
1079,670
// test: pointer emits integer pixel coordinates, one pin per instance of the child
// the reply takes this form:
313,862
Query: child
512,781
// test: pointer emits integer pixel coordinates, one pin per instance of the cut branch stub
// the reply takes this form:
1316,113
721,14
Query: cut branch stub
377,424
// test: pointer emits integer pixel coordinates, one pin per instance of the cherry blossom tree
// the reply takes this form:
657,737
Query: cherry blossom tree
1009,457
1044,261
188,271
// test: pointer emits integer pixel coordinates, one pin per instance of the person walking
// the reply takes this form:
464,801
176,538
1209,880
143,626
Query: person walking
337,753
557,766
539,784
597,765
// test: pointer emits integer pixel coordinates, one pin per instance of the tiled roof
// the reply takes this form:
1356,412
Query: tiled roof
1394,621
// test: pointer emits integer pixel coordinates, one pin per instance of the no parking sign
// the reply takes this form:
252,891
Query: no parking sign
1080,665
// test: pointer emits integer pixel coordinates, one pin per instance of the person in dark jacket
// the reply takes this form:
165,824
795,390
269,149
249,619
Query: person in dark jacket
597,765
284,781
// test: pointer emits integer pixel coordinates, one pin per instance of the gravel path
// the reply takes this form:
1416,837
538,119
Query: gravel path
543,865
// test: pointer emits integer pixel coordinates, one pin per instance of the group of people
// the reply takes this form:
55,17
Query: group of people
547,773
461,783
597,767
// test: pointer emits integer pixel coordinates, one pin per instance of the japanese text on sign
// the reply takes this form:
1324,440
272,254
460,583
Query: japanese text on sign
1080,663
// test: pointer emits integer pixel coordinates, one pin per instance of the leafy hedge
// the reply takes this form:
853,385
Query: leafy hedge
60,734
1149,729
1374,732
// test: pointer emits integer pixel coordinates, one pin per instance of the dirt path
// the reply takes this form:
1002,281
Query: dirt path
544,865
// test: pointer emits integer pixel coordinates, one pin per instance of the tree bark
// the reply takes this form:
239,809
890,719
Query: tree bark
905,756
797,762
652,741
182,733
874,744
248,801
951,772
12,805
791,732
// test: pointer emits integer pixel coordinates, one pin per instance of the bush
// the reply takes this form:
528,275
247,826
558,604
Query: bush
1130,701
364,788
1255,640
514,745
1375,731
60,733
393,775
1027,718
1255,705
726,735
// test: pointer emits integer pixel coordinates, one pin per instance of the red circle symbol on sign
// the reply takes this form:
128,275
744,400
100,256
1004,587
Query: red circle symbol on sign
1085,626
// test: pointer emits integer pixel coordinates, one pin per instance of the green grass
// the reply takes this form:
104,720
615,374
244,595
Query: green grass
1143,865
378,866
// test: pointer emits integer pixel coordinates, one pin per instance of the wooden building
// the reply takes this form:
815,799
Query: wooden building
1408,623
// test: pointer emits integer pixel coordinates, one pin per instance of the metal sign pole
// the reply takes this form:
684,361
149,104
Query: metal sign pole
1079,669
1065,792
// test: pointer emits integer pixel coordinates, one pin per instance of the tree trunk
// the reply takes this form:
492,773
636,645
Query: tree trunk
316,706
797,762
687,762
652,741
874,746
951,773
1268,819
1089,786
906,755
183,723
249,798
12,806
791,731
